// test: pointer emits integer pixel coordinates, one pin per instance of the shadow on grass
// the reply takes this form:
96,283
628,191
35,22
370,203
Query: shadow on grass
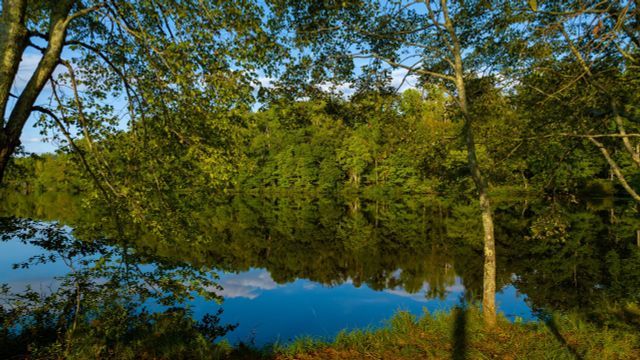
553,327
460,334
249,352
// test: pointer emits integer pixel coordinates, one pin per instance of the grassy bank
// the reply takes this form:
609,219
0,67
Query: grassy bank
460,335
456,335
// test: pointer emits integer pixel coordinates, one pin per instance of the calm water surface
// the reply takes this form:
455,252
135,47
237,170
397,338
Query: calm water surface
294,267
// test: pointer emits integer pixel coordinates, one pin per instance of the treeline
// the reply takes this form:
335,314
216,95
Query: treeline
410,143
376,141
373,140
44,173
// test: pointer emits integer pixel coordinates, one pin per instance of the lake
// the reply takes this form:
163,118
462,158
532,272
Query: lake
296,266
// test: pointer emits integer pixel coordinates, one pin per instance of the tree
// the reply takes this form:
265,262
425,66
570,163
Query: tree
583,58
354,156
153,54
441,42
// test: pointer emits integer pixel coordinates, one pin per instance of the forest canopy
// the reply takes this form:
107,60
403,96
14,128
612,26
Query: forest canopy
251,95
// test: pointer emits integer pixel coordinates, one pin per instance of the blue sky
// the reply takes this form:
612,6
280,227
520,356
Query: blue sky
31,138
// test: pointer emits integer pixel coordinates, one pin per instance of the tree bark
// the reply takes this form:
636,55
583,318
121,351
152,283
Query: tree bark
5,155
489,249
13,22
13,40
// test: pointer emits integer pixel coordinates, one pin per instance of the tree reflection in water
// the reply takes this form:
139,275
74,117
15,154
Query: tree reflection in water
564,256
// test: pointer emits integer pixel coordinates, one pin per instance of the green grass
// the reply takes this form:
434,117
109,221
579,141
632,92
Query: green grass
460,335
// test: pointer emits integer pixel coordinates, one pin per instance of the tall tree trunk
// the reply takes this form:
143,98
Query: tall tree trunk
489,269
13,40
489,249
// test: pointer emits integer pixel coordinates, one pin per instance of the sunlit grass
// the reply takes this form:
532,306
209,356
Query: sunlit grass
460,335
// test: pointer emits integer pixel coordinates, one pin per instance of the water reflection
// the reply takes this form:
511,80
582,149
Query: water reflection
248,285
303,307
293,266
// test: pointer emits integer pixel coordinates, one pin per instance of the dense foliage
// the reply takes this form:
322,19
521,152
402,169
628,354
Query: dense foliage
162,110
373,142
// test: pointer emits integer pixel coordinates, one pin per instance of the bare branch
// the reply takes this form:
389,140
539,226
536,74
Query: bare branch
83,12
39,48
75,147
616,169
407,67
37,34
623,134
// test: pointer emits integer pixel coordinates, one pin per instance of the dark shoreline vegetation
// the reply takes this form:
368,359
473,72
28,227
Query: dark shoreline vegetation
407,148
458,334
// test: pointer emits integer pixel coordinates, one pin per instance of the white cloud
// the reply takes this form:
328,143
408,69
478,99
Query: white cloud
345,89
309,286
418,296
247,285
266,81
457,288
25,70
401,81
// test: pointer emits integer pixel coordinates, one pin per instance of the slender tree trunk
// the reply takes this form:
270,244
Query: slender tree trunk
489,250
489,269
